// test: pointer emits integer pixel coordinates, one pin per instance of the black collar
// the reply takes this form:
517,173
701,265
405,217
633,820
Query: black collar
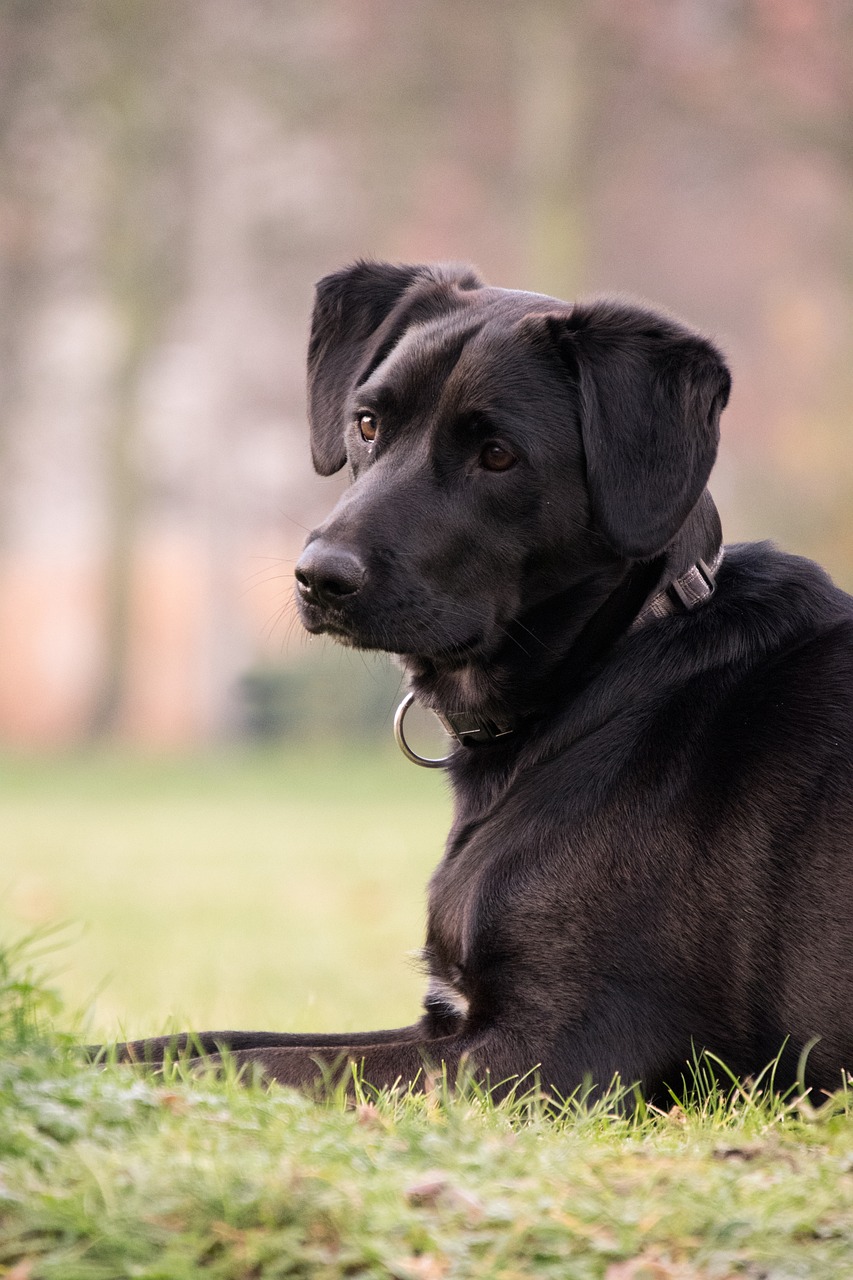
691,588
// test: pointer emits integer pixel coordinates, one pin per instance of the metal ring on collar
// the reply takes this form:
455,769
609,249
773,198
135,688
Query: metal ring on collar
425,761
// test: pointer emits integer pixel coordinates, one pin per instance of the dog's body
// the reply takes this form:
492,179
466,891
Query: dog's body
651,851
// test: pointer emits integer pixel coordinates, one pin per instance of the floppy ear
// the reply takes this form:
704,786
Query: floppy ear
650,396
350,334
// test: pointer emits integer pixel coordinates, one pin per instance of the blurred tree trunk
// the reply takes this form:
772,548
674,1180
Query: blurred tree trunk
19,23
139,265
549,92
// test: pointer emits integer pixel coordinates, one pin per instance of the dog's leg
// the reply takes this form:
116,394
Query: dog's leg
153,1051
492,1058
403,1056
497,1056
382,1065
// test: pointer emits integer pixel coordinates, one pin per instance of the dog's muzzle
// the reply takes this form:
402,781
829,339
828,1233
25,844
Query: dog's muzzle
327,576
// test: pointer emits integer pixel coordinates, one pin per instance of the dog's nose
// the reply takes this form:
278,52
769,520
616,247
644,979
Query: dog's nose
327,575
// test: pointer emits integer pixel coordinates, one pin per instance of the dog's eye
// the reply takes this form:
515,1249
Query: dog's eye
367,426
494,457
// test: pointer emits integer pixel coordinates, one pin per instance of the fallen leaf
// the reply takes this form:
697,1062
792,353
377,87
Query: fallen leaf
174,1102
428,1188
435,1186
22,1270
369,1115
651,1266
423,1266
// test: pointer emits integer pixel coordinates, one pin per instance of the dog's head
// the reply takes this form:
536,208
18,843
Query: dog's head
503,447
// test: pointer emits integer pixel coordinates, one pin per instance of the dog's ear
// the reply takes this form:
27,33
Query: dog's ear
350,333
650,397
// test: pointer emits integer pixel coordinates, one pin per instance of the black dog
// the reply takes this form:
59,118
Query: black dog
651,852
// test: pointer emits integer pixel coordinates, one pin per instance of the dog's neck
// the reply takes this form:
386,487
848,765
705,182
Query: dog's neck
556,645
699,538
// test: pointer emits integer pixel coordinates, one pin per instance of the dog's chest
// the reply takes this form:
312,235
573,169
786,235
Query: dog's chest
453,894
456,894
452,907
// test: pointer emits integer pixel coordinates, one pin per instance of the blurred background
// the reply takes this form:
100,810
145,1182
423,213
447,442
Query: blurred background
175,175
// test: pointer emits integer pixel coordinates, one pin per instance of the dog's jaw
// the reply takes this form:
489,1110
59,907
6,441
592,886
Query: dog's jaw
512,678
381,636
475,687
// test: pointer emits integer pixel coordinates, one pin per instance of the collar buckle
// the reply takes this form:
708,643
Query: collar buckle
691,588
467,729
460,724
696,585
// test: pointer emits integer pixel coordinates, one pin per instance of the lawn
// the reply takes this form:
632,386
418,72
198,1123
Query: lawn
106,1174
284,889
279,889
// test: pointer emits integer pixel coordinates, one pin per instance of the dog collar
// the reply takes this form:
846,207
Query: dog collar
689,589
461,725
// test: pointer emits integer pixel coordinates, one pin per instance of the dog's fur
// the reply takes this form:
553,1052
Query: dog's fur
657,860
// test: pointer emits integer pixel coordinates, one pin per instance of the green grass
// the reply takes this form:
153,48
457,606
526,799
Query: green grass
246,889
282,890
107,1174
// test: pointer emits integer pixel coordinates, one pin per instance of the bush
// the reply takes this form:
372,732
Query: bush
333,693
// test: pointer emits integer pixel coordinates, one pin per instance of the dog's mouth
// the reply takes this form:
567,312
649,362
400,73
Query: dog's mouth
411,643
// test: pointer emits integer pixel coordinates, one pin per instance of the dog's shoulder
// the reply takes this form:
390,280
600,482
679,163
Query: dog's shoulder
759,572
768,605
757,687
767,661
786,631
